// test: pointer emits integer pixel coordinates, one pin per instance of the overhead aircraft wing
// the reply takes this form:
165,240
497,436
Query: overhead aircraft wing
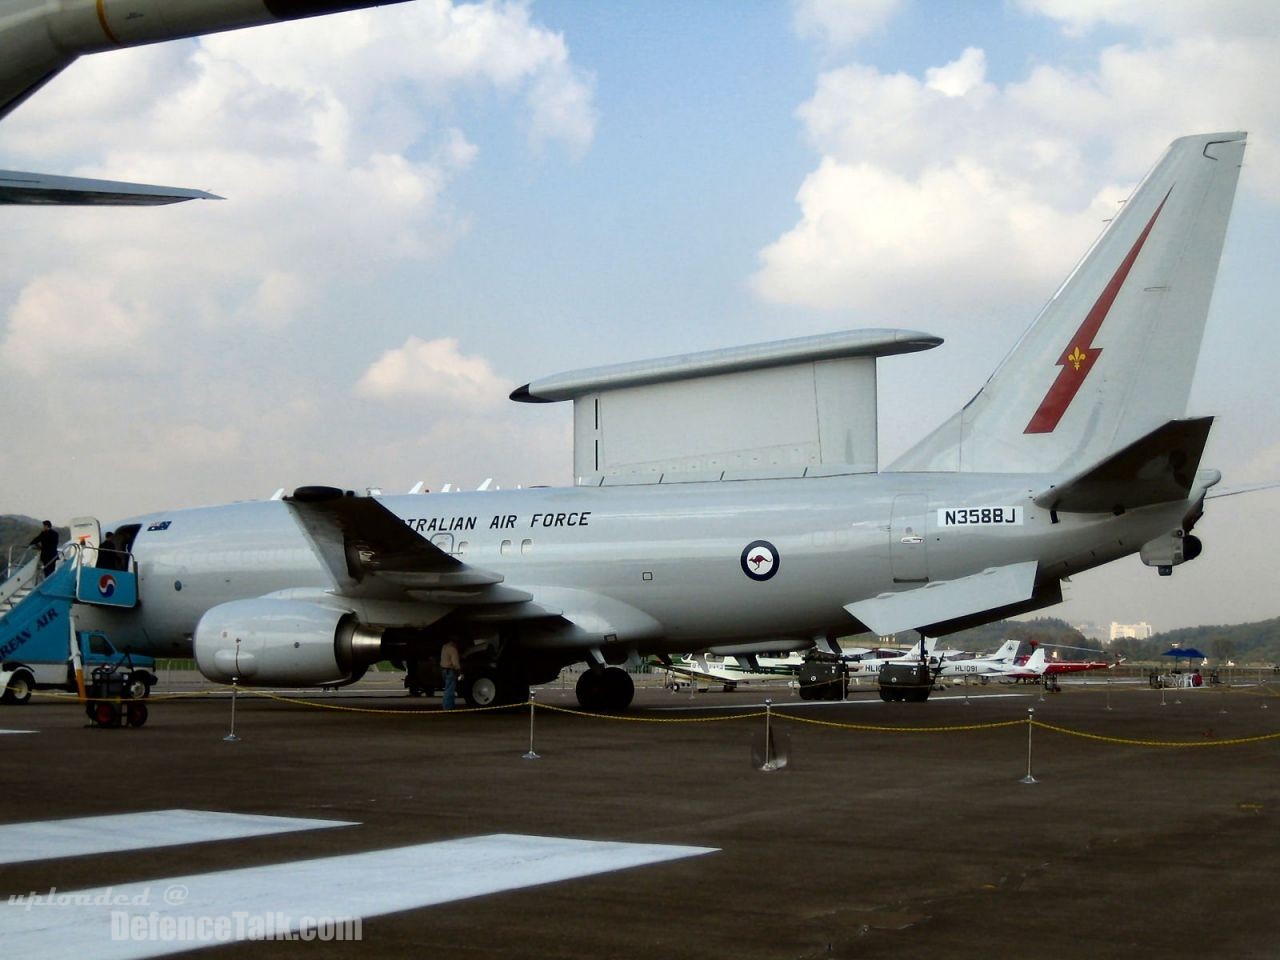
20,187
1157,468
946,600
370,552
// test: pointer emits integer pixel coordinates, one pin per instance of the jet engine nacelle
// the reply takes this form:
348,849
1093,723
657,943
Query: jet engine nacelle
266,642
1168,551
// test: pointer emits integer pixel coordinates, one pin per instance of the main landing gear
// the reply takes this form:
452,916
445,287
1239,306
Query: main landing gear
610,688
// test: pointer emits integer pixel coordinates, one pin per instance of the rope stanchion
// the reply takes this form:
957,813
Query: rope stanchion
530,754
231,737
1031,722
769,765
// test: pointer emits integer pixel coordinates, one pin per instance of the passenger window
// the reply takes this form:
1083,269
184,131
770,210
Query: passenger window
505,549
525,547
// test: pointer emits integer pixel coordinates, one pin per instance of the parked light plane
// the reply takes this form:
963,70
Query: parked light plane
729,671
735,496
41,38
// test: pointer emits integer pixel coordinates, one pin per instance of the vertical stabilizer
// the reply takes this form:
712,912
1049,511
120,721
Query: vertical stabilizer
1111,356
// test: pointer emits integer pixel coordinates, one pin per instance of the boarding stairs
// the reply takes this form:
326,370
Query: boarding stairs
31,602
19,584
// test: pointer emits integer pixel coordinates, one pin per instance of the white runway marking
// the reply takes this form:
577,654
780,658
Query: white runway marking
360,885
50,839
3,732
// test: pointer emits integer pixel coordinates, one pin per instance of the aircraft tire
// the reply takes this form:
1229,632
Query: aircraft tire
482,691
19,690
590,691
495,688
619,689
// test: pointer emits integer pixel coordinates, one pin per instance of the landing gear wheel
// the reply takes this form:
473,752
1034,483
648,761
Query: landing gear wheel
619,689
590,690
482,691
19,690
610,689
495,688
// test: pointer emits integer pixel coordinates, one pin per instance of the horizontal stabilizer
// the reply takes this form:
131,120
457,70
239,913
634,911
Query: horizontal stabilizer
947,600
1158,468
17,187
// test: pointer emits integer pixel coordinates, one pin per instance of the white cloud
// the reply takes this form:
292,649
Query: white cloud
63,323
842,23
1163,18
433,370
949,184
867,234
213,332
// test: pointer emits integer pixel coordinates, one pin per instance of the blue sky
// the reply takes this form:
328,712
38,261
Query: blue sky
429,204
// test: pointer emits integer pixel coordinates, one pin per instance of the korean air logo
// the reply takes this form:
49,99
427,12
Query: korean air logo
106,585
760,560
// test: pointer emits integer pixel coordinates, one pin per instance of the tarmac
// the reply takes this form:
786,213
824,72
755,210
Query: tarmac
891,830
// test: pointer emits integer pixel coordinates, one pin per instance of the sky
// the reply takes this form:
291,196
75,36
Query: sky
432,203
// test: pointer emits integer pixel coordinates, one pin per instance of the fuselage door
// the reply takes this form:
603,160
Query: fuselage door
908,540
86,532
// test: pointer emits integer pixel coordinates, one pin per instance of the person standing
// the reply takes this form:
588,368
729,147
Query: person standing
450,666
47,541
108,553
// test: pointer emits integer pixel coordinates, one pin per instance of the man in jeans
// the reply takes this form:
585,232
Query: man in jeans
450,665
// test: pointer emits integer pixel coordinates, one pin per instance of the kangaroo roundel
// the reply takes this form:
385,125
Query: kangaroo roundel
760,560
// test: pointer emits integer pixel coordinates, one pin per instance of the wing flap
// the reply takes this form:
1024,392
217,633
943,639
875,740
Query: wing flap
946,600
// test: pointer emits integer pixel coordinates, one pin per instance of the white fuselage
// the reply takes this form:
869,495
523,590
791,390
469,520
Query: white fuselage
671,553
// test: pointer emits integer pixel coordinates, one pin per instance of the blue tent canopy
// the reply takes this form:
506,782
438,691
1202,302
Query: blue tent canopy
1191,653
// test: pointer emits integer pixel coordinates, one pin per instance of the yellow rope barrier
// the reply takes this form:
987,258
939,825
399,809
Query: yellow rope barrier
778,712
619,716
1207,742
267,695
887,729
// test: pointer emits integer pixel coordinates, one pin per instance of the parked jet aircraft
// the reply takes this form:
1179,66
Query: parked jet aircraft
39,39
735,496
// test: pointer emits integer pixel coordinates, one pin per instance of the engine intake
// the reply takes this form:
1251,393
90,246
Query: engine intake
284,642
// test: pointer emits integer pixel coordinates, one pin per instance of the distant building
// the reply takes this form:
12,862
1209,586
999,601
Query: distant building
1130,631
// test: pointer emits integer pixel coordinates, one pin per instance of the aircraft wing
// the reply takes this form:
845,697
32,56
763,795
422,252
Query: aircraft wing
370,552
20,187
946,600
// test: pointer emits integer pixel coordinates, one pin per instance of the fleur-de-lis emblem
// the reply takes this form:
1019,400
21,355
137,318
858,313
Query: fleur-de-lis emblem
1077,357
